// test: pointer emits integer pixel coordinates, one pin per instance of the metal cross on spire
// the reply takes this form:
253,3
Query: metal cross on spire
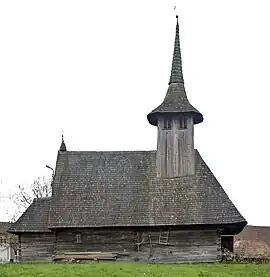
175,10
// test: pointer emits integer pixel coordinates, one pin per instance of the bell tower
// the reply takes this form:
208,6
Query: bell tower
175,119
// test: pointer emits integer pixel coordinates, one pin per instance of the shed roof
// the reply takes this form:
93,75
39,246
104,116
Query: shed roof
34,219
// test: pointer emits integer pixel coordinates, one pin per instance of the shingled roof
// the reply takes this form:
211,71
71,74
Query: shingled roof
34,219
121,188
102,189
176,101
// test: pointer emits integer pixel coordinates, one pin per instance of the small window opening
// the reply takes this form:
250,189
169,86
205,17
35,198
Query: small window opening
77,238
182,123
167,124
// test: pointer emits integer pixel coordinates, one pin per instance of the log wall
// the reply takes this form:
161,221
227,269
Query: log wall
36,246
95,240
144,246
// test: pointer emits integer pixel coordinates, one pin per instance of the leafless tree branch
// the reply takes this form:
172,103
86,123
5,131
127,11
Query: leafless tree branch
22,197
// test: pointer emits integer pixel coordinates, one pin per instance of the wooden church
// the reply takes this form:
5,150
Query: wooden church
160,206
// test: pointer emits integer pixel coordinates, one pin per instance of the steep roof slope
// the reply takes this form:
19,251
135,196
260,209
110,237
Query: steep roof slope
98,189
34,219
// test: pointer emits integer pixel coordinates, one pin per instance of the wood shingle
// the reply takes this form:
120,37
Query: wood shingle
101,189
34,219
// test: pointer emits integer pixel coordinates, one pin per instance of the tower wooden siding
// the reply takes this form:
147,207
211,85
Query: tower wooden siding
175,147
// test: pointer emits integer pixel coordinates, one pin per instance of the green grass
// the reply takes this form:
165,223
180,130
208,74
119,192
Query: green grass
134,270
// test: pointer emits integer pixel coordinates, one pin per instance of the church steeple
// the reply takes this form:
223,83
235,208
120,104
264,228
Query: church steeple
176,102
175,119
176,72
63,145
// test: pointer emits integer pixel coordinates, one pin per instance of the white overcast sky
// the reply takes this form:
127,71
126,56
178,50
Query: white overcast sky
96,68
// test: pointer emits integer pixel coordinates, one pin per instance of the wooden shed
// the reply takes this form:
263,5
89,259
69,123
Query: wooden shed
160,206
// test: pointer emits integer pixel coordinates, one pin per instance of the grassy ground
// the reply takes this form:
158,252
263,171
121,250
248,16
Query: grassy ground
134,270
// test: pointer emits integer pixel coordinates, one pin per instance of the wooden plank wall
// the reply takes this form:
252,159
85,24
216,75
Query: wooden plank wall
175,149
96,240
37,246
184,246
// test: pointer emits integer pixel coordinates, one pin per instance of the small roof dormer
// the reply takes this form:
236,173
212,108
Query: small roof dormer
176,101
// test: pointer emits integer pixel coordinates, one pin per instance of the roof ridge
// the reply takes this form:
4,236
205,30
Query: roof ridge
112,151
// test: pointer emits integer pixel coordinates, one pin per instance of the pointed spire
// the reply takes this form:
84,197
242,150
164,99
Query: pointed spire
176,71
63,145
175,102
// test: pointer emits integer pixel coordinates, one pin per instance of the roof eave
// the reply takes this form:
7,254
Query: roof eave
153,116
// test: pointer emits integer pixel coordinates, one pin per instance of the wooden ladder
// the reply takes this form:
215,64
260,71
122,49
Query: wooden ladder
163,237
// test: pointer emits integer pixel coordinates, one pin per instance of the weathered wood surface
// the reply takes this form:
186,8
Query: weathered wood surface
182,246
175,148
87,256
93,240
90,253
36,246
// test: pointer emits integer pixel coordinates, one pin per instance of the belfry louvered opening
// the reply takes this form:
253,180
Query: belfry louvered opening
182,123
167,124
179,123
